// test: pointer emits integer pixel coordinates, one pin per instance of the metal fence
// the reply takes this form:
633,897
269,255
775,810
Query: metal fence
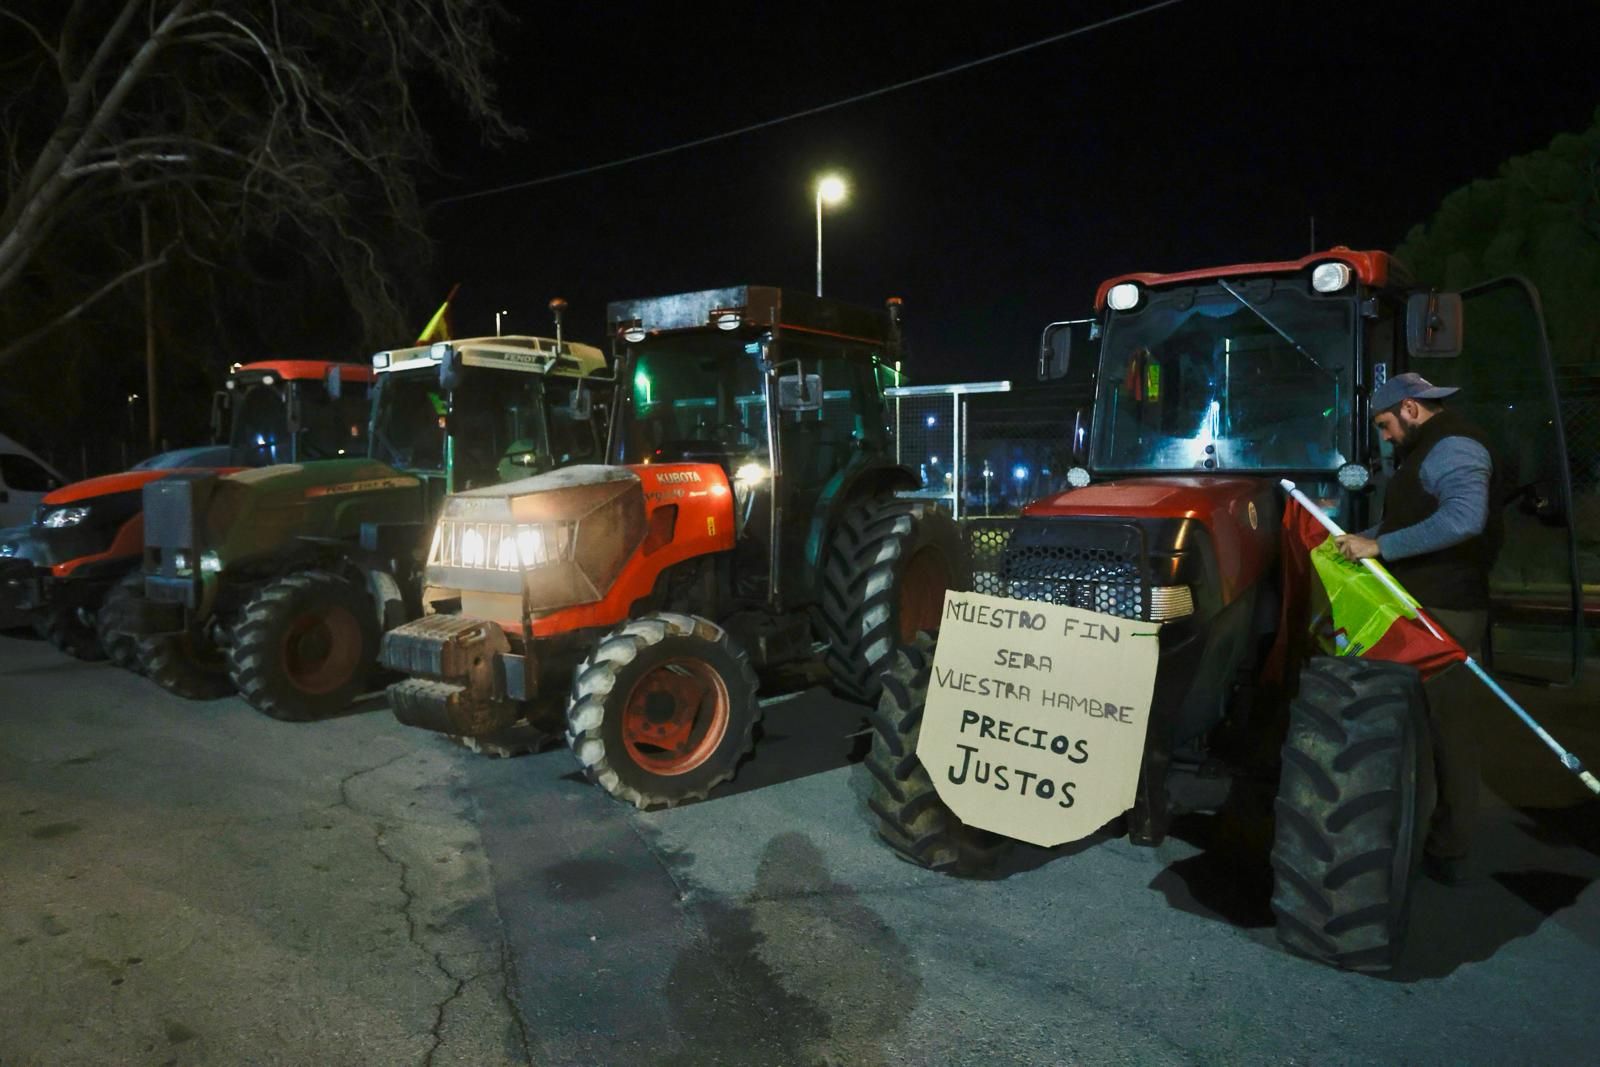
1579,389
987,448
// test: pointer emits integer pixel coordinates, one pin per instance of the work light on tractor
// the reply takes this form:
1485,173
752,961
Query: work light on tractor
748,521
1213,385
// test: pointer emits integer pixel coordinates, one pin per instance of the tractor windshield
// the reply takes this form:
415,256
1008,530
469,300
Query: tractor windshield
1204,378
329,428
506,425
696,397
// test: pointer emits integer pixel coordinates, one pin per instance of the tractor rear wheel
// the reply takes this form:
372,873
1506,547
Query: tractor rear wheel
186,664
911,817
887,570
304,646
1350,812
663,710
112,624
64,627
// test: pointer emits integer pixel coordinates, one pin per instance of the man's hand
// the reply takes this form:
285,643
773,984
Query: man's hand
1354,547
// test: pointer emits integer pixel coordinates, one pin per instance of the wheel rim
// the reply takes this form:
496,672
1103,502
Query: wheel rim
321,649
675,716
922,588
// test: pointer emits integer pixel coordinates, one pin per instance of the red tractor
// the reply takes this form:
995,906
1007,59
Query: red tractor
749,520
74,569
1214,384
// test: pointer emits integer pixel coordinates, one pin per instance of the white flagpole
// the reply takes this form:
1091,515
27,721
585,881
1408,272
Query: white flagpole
1568,760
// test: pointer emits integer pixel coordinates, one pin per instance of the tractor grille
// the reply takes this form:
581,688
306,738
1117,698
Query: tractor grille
1080,563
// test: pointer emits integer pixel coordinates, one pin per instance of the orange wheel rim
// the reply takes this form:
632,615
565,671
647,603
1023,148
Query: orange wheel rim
675,717
321,649
922,589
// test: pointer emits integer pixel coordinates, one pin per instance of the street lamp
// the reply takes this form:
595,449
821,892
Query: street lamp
831,189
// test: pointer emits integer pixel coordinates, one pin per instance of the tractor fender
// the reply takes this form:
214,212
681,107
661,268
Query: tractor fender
372,568
877,476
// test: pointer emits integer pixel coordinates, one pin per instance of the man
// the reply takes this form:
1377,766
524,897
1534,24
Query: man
1440,532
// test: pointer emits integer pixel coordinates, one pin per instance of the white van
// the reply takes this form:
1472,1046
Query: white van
24,480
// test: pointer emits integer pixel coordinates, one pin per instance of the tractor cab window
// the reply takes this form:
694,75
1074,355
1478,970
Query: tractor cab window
574,439
261,428
832,414
1203,379
409,420
331,428
696,398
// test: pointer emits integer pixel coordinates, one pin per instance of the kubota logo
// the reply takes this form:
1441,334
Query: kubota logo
676,477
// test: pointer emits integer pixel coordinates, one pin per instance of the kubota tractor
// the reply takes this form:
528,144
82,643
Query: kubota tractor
751,512
279,582
1214,384
76,566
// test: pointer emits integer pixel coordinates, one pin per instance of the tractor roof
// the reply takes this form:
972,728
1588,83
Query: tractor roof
305,369
762,306
1372,268
516,352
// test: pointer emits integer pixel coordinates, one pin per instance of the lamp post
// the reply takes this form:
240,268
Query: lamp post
831,189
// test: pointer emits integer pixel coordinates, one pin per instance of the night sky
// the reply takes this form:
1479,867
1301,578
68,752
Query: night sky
995,199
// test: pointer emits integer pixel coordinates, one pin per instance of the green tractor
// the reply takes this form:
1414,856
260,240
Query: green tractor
748,518
279,582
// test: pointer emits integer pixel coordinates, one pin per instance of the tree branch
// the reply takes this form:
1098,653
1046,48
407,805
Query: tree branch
16,346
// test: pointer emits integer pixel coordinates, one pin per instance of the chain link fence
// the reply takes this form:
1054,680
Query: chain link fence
987,448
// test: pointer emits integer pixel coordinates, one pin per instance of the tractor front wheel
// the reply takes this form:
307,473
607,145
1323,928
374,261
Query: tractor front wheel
186,664
304,646
887,570
1350,812
663,710
64,627
113,625
912,819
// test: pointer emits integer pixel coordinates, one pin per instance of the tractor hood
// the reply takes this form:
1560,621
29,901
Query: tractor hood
1238,517
106,485
561,538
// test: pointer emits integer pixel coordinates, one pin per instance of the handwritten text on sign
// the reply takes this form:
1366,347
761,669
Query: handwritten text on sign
1036,715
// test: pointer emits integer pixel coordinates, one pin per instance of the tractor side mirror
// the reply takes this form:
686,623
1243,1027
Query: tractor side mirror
219,414
1433,325
580,408
800,392
450,368
1055,351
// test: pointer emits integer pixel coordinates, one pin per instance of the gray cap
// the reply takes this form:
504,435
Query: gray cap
1409,385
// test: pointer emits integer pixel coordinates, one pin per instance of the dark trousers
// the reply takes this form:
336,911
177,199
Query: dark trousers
1452,696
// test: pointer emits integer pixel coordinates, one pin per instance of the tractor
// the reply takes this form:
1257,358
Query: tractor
1212,386
279,582
747,519
75,568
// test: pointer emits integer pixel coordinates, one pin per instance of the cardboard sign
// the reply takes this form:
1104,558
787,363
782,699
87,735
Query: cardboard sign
1036,714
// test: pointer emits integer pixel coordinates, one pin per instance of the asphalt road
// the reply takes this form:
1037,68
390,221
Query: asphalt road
194,883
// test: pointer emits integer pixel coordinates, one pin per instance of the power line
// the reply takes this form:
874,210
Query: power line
819,109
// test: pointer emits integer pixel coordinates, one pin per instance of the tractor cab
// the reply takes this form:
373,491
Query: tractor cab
293,410
781,389
480,411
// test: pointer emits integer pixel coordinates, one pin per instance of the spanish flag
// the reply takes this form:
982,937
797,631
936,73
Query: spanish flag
438,328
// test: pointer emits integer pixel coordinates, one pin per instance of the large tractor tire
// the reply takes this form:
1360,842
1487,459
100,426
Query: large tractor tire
112,623
185,664
305,646
1351,812
663,710
911,817
887,570
64,627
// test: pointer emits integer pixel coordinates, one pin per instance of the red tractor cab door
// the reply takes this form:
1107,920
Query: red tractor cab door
1503,367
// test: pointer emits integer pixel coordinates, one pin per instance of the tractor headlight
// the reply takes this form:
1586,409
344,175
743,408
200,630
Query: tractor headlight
210,562
180,564
1123,297
62,517
1170,602
1330,277
499,546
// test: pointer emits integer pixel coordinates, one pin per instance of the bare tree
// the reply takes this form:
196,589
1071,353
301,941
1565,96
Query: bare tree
230,121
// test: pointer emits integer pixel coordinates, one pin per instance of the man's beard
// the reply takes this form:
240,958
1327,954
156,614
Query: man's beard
1404,440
